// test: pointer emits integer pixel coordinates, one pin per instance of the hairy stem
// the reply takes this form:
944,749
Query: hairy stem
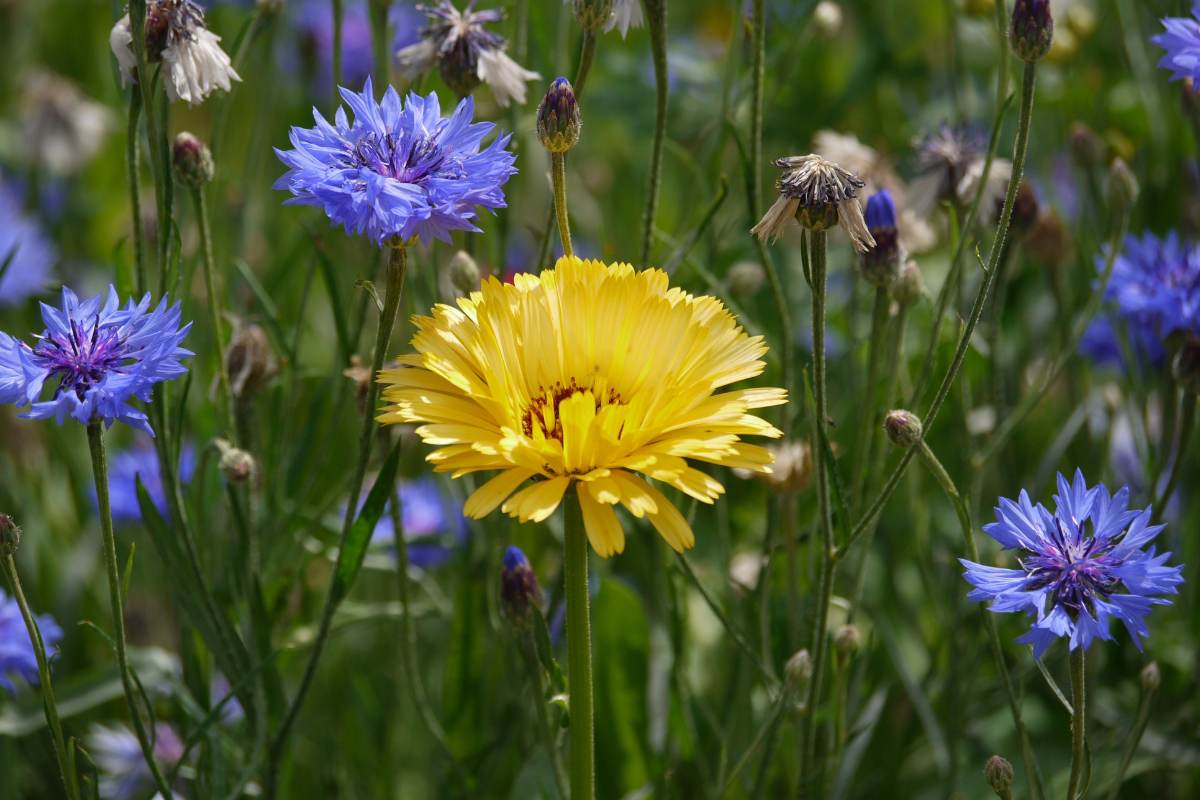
558,163
214,310
579,652
656,20
1078,721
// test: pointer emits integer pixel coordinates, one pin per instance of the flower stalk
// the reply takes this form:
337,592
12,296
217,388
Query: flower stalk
95,432
656,20
558,162
49,703
215,306
579,652
1078,721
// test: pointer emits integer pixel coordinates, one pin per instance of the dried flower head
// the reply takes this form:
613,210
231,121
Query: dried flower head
818,194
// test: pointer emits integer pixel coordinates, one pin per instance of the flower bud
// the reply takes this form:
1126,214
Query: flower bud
1086,147
1121,187
459,277
1186,366
1151,677
519,592
592,15
1032,29
745,278
558,117
847,640
237,465
881,263
798,670
903,428
999,774
249,360
910,286
192,160
10,536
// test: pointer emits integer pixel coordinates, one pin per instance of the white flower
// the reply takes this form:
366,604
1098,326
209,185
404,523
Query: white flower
505,76
626,14
63,129
196,66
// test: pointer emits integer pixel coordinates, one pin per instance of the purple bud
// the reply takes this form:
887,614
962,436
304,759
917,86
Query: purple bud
519,592
558,118
881,263
1032,29
903,428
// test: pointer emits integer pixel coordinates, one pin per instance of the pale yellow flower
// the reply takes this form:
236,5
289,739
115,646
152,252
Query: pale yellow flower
588,375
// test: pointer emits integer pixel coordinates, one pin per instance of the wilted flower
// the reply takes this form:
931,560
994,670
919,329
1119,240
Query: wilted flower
26,256
17,659
63,128
951,161
195,64
466,53
594,395
124,773
433,528
1156,284
249,359
400,170
1181,41
140,463
1080,566
818,194
103,357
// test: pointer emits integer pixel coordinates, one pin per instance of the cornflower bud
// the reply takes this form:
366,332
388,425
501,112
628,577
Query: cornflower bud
847,640
1151,677
459,277
910,286
519,592
1121,187
999,774
745,278
881,263
192,160
1032,29
10,536
798,670
903,428
592,15
558,117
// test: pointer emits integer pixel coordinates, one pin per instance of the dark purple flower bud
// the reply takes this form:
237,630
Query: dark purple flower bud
999,774
881,263
558,118
192,160
519,592
903,428
10,536
1032,29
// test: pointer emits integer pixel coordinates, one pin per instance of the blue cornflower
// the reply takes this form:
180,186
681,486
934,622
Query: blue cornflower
1181,40
141,461
102,356
124,774
17,659
1102,344
1081,565
432,528
400,170
1156,284
29,255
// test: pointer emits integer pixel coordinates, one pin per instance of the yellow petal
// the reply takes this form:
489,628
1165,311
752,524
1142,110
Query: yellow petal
485,499
667,520
537,502
603,528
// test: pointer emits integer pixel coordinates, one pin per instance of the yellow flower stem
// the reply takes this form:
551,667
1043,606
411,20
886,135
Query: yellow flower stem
579,651
810,783
1078,720
558,163
95,432
396,268
49,704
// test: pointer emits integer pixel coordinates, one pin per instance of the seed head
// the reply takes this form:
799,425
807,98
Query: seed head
193,161
999,774
249,360
818,194
558,117
903,428
10,536
1032,29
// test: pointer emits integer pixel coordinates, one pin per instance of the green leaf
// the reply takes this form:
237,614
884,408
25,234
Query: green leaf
354,549
621,652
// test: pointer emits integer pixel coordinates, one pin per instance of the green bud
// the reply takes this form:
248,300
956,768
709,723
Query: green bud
999,774
192,160
592,15
1121,187
903,428
459,277
798,670
745,278
1151,677
558,118
910,286
847,640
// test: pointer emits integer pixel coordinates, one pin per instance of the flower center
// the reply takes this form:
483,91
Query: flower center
408,162
542,412
81,359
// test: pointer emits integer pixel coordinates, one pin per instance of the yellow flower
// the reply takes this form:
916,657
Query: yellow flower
587,373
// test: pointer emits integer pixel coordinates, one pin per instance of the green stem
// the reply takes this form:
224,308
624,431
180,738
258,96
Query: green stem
135,201
808,744
1078,721
931,462
656,20
579,652
214,310
1001,16
379,39
867,427
396,268
726,623
49,704
985,287
337,54
558,163
1135,737
1187,425
95,433
758,46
